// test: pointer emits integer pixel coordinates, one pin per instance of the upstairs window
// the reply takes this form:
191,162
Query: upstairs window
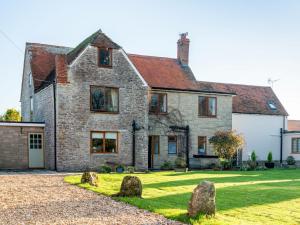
104,99
295,145
30,79
272,105
105,57
207,106
158,103
201,145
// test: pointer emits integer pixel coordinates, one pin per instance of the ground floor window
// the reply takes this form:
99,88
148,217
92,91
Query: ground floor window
172,145
104,142
202,145
35,141
295,145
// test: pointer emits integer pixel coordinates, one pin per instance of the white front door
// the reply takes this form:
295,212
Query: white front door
36,150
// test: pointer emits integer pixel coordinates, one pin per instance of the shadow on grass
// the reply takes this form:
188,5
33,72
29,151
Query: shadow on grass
237,177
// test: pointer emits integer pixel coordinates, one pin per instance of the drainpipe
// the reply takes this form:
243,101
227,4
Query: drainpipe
281,144
187,147
54,121
133,142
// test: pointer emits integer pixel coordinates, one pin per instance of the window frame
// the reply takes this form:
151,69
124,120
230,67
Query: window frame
104,133
176,141
205,143
157,111
99,57
297,151
104,111
207,107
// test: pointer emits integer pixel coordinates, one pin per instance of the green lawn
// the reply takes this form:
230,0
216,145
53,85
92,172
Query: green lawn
252,197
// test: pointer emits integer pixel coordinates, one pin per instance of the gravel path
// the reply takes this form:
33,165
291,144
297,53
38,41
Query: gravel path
33,198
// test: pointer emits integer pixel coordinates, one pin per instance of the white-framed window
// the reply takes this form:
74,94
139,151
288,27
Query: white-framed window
30,79
295,145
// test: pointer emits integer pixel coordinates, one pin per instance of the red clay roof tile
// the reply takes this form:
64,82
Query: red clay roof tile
294,125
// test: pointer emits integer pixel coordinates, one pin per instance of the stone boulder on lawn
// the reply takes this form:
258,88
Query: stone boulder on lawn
131,187
203,200
90,177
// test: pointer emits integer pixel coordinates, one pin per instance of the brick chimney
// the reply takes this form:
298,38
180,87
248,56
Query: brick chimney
183,45
61,69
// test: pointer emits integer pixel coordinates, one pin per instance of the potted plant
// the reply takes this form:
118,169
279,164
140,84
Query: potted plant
120,169
180,165
270,164
291,161
252,162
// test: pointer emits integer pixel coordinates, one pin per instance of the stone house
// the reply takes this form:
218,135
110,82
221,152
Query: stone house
101,105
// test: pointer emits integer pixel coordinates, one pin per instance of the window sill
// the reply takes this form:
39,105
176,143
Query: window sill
104,153
104,112
295,153
105,67
209,117
155,113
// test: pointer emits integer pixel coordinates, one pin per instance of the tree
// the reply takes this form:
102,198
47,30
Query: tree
11,115
226,144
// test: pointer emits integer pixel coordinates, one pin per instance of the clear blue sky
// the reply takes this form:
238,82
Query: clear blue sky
234,41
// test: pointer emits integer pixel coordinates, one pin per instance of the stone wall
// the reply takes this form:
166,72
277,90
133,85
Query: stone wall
43,111
182,111
14,146
27,90
75,121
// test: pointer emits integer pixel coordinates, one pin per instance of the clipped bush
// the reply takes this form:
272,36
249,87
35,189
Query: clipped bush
252,164
270,157
130,169
290,160
167,165
225,164
105,169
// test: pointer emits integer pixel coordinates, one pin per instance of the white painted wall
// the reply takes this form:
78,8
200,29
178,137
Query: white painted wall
261,133
287,146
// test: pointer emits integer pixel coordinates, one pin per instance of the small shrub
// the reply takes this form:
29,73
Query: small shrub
105,169
290,160
225,164
253,156
180,162
167,165
252,164
130,169
270,157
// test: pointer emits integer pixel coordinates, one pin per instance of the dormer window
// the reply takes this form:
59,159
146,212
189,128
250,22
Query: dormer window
105,57
272,105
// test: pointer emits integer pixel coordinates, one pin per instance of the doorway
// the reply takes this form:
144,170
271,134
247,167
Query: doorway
36,150
153,149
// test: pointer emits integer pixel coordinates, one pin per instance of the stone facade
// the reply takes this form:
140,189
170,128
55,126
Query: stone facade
75,120
43,111
14,146
183,111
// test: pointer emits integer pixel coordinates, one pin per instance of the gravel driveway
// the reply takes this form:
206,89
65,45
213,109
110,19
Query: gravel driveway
44,198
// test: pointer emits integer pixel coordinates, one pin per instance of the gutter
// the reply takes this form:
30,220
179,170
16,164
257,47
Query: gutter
193,91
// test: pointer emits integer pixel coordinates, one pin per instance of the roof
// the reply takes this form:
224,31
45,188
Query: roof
249,99
42,61
294,125
162,72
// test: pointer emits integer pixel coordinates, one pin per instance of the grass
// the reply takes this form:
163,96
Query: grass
250,197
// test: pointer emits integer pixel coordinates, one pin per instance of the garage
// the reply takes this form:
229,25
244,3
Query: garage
21,145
